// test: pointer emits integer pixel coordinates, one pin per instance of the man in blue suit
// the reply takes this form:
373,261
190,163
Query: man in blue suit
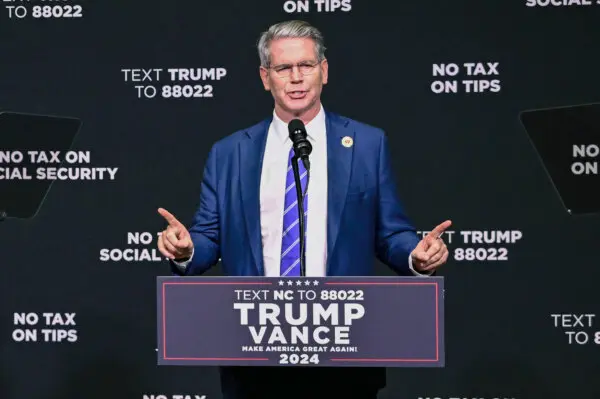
247,216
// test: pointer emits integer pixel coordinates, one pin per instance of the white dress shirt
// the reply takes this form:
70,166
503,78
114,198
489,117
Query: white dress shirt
272,198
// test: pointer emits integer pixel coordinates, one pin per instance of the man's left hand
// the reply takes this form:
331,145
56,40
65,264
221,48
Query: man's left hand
431,252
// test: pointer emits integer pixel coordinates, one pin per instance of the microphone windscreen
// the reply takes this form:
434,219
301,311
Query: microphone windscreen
295,126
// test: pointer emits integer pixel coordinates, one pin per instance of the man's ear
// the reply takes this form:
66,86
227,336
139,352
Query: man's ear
264,76
325,71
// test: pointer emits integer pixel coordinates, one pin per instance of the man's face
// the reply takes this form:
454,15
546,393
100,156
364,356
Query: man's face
295,77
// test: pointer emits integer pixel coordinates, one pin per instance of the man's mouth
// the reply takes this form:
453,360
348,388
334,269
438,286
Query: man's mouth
297,94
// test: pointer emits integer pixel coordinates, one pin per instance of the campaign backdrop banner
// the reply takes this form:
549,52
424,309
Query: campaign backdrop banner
491,109
335,321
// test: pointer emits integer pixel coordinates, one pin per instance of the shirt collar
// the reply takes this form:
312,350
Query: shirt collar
313,128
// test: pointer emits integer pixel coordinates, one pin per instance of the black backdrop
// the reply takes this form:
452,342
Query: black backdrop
459,155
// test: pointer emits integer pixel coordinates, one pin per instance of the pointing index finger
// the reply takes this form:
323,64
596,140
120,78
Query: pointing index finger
172,220
440,228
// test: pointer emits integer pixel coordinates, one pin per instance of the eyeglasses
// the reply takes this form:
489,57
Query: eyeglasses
286,70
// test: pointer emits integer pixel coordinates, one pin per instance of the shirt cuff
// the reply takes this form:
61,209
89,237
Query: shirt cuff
182,265
416,273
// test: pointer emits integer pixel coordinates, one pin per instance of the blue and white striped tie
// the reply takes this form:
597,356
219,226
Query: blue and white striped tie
290,240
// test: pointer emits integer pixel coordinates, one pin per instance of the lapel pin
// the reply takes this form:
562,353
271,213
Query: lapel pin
347,142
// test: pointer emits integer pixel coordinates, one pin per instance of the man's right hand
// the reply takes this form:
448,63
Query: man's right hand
175,241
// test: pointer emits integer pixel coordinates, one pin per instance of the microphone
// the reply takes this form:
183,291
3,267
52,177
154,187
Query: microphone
302,147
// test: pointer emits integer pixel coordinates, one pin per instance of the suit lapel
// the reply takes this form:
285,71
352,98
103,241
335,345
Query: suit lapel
339,162
251,160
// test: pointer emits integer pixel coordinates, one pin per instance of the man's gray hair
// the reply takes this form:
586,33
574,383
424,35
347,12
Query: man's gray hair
289,29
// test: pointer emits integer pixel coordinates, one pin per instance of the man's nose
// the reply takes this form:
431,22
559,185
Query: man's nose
296,76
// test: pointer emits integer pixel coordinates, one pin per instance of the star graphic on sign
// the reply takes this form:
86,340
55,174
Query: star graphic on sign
307,282
315,282
298,283
281,282
290,282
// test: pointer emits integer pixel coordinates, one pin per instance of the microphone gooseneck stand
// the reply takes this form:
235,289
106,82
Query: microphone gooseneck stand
301,221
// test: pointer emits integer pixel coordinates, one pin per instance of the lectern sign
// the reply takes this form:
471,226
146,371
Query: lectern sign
333,321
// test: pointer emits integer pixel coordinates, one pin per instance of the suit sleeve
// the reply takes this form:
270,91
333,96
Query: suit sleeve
396,236
204,230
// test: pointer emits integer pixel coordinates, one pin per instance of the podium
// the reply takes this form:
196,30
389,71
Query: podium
301,321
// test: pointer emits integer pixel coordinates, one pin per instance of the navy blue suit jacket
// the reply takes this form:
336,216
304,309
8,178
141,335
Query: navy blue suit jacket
365,218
